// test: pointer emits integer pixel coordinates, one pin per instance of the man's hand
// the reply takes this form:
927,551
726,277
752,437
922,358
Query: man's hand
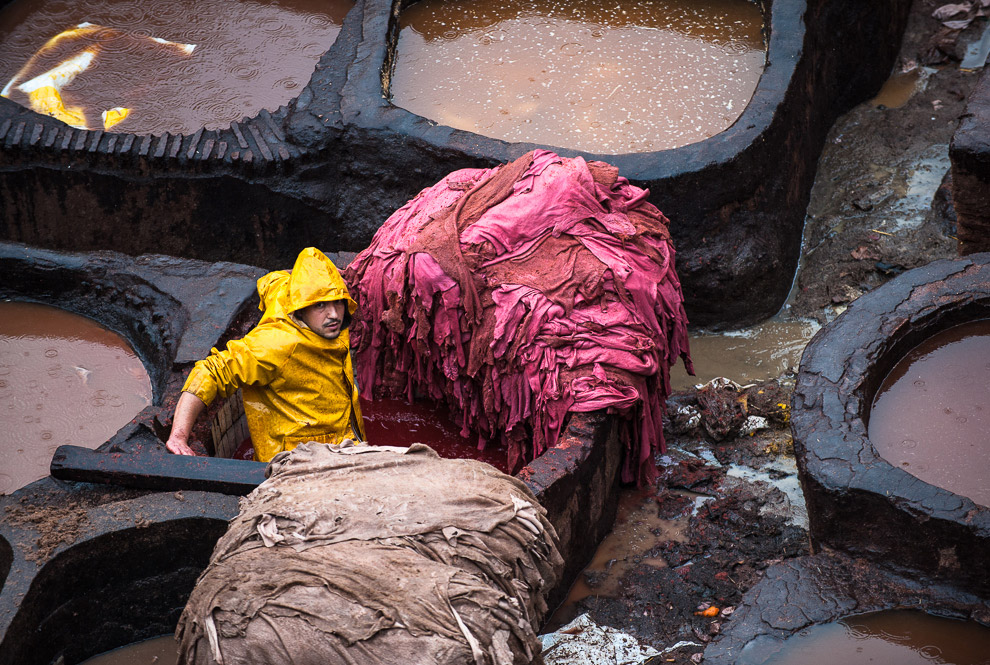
179,445
187,410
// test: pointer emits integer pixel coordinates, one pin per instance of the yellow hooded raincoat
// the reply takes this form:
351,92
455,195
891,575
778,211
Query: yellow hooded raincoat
297,385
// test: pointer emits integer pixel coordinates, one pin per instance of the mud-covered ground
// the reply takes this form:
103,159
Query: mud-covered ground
727,504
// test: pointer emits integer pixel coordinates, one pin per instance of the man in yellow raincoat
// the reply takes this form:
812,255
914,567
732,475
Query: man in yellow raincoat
294,368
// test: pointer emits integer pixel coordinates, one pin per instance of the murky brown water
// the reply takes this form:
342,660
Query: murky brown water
753,354
638,529
248,56
900,637
898,89
156,651
931,416
604,76
64,379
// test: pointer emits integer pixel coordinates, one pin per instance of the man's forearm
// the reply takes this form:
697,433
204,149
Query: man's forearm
187,411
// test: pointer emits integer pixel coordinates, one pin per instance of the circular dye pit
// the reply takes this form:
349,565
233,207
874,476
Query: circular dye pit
931,415
156,651
148,67
393,422
606,77
64,379
889,429
896,637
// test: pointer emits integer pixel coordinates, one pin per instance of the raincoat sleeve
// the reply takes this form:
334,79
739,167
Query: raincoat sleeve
254,360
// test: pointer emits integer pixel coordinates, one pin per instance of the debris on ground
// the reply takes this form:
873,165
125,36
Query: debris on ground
722,409
584,642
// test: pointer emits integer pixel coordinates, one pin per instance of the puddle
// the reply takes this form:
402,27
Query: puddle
782,474
904,637
931,415
638,529
156,651
172,67
753,354
901,87
915,195
606,77
64,379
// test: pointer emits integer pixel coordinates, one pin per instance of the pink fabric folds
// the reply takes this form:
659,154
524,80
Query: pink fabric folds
519,294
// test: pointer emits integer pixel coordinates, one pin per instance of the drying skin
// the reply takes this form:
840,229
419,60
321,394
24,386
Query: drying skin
520,294
373,555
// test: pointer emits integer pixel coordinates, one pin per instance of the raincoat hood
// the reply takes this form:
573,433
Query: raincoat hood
314,278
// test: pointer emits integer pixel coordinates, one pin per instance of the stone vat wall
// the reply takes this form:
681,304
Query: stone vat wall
857,501
110,568
970,156
328,168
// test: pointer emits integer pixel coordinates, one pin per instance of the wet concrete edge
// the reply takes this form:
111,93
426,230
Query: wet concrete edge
857,501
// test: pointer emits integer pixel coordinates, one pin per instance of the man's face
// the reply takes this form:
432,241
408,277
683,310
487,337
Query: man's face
326,318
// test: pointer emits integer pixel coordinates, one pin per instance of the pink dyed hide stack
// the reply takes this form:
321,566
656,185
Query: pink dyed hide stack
520,293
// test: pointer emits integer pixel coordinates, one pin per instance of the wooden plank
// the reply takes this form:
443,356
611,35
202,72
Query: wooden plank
67,139
155,469
145,146
95,141
270,121
204,154
260,140
18,133
241,141
194,143
126,145
161,145
35,134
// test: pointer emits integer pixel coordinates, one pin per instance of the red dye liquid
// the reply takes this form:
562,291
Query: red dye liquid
393,422
245,451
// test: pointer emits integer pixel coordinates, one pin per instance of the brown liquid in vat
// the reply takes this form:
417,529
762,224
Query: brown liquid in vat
156,651
606,77
896,637
249,56
931,416
898,89
63,380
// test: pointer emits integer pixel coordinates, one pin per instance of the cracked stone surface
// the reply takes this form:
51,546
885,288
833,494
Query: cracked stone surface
858,502
825,587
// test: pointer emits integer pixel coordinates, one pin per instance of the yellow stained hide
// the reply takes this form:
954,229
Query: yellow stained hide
297,386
